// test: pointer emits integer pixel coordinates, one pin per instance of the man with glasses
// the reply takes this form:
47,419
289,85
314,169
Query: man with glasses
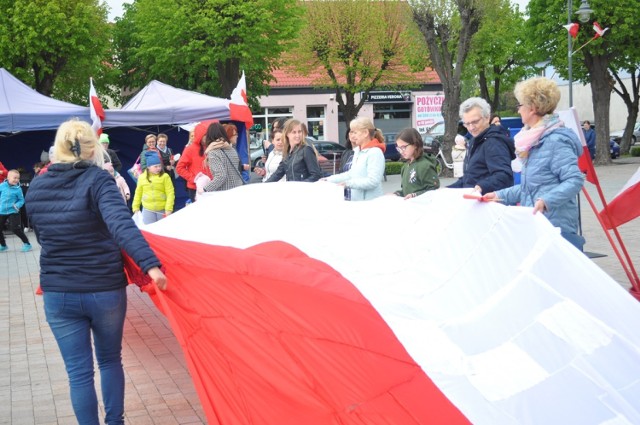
487,165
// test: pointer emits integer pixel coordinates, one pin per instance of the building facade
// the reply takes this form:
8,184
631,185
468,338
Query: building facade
391,111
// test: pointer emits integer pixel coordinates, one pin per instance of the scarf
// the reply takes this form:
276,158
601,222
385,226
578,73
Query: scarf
529,137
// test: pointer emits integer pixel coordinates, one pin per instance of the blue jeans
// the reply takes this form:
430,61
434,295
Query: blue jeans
72,318
149,216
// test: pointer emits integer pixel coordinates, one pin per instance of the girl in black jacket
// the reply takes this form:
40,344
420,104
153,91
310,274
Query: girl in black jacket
300,163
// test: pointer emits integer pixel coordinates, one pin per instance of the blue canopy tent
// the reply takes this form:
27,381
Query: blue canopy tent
158,107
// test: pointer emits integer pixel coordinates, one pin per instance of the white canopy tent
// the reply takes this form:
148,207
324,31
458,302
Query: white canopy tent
160,103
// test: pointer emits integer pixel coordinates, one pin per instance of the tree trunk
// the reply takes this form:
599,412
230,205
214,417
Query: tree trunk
449,63
601,97
632,105
228,76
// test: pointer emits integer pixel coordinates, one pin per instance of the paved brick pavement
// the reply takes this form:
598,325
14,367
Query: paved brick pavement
159,390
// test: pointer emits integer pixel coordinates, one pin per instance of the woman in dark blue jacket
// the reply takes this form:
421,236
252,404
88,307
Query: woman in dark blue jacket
82,224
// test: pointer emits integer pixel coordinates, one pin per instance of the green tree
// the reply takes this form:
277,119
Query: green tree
204,45
357,46
500,54
55,45
592,63
448,27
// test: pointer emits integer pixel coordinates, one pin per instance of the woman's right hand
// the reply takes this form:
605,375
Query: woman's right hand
491,196
158,277
260,171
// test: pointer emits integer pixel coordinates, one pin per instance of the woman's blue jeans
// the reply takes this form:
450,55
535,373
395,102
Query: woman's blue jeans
73,317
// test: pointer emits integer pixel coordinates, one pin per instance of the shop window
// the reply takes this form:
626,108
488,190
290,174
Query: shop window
316,121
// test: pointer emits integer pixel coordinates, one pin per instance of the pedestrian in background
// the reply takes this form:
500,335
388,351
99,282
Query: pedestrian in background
222,160
590,138
82,224
551,179
113,156
154,193
3,172
11,200
150,145
193,160
274,159
166,154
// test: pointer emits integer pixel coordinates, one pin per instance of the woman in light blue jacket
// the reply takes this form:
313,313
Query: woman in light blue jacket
364,179
551,179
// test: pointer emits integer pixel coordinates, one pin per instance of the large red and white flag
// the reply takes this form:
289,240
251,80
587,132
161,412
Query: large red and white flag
625,206
239,105
570,119
95,108
459,312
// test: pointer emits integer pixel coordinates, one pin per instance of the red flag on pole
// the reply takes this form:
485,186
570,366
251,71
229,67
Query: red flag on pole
598,29
573,29
97,112
625,206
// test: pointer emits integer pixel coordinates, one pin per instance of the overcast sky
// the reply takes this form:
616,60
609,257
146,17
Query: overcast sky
116,7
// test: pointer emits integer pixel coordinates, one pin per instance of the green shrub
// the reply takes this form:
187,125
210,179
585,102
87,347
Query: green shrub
635,151
392,168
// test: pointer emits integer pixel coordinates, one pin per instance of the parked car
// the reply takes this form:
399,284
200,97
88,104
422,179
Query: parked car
391,153
614,149
330,150
616,136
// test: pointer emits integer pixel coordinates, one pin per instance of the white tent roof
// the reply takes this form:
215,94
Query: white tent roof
160,103
24,109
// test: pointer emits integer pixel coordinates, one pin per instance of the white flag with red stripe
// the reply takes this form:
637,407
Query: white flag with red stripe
239,104
95,108
436,310
573,29
570,119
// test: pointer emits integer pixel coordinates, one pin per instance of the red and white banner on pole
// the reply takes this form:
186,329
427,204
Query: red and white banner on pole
95,108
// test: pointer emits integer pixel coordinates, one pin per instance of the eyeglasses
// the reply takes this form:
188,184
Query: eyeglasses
401,149
472,123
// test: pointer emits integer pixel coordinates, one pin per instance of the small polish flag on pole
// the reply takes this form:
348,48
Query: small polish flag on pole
573,29
598,29
96,110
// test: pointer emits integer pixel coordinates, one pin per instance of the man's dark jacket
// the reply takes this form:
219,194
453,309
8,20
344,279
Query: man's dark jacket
488,161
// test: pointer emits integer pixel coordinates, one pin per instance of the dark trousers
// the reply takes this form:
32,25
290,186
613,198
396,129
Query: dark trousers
14,225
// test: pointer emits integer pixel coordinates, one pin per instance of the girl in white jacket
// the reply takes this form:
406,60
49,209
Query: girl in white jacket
367,168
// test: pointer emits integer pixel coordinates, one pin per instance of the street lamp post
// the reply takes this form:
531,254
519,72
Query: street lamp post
584,14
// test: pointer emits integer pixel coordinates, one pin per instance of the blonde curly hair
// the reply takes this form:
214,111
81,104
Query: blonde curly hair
539,93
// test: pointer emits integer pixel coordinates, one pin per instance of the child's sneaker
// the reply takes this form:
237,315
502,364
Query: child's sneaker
3,248
26,247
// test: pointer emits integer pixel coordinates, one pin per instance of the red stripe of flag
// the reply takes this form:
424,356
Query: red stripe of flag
282,338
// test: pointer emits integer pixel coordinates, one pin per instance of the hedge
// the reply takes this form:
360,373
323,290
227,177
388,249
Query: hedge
392,168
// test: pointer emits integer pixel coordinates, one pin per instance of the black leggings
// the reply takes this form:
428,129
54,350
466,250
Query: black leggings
14,225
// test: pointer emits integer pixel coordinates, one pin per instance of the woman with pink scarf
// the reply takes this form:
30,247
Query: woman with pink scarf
551,179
